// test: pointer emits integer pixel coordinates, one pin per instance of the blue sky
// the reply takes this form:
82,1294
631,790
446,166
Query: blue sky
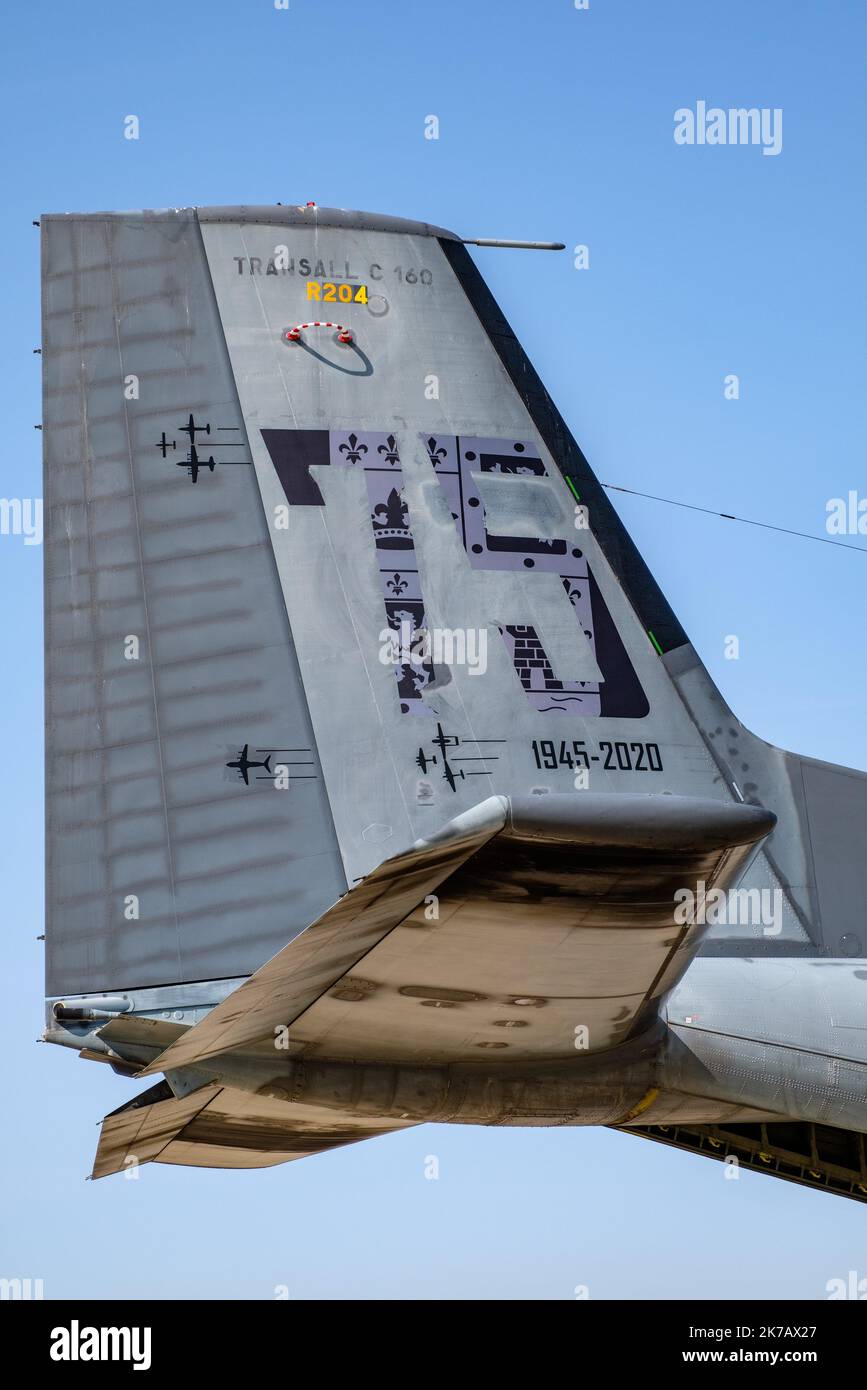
554,124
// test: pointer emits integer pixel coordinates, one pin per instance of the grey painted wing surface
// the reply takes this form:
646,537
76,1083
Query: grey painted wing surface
168,650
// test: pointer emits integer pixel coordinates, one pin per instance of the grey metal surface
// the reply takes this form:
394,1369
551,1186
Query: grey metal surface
140,800
817,854
786,1036
836,823
310,216
817,1006
303,405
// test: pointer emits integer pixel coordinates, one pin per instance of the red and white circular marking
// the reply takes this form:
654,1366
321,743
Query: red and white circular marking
293,335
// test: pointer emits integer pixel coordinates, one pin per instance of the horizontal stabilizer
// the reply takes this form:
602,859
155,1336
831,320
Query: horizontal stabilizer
139,1039
138,1132
518,923
291,982
219,1127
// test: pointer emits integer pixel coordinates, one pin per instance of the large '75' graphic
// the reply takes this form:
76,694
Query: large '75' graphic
466,467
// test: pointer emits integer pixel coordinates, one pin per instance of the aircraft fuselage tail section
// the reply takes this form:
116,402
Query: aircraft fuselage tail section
362,706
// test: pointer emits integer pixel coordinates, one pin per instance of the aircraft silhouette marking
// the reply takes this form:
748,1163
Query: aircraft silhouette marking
243,763
194,464
192,429
453,774
424,762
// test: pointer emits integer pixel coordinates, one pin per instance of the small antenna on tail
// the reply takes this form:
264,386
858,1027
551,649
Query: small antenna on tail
515,245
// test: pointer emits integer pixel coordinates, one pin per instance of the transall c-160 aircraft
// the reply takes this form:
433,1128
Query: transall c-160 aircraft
307,498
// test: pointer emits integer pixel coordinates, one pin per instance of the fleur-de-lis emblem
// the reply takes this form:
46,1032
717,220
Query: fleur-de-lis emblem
397,585
435,454
389,450
353,450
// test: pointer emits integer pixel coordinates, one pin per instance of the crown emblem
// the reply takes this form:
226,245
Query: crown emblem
390,522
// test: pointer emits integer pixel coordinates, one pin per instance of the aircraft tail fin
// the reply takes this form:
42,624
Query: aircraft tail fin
396,576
